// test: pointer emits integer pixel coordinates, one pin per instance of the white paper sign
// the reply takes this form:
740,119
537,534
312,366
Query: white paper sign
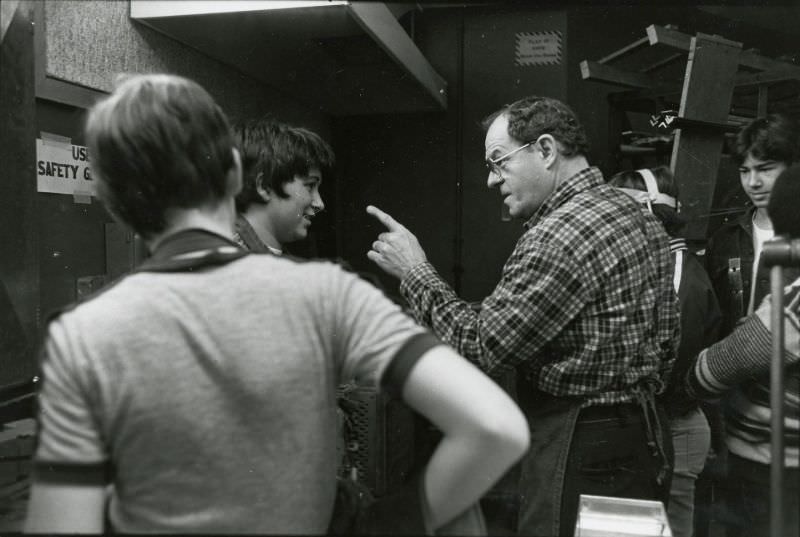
62,168
538,48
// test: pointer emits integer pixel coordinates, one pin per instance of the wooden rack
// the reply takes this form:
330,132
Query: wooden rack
715,66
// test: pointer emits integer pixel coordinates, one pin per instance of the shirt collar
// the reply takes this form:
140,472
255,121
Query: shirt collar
191,249
249,238
677,244
743,221
583,180
746,219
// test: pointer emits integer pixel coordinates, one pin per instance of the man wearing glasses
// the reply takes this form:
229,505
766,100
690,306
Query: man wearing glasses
585,311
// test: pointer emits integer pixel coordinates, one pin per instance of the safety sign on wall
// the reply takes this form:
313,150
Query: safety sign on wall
63,168
538,48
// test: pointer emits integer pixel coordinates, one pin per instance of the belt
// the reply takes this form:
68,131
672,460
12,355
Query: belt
626,411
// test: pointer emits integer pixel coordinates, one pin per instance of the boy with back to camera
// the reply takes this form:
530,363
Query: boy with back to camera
202,386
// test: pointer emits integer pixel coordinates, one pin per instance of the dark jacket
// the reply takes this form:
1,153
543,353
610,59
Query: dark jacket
729,262
700,325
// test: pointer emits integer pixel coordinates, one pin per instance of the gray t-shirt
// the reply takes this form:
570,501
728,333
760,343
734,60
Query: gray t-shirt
210,394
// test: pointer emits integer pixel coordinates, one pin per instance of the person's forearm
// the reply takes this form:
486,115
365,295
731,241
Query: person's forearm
459,471
57,508
423,288
484,432
745,353
435,305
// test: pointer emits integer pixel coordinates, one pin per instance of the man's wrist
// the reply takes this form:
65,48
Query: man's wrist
412,268
417,272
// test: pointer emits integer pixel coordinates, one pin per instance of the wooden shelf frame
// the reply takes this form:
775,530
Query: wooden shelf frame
715,66
768,70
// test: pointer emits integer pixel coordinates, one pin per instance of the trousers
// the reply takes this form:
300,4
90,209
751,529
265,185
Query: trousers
691,440
746,498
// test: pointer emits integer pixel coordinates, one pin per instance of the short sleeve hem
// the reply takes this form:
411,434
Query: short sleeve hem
398,369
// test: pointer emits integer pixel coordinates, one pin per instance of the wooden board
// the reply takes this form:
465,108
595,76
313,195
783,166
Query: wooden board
707,92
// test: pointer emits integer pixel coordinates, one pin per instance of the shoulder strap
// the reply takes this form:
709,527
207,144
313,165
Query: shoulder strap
736,285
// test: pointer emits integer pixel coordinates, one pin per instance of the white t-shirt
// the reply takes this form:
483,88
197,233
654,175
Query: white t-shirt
760,236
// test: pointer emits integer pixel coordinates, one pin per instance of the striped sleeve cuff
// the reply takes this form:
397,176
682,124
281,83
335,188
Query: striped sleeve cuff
744,354
396,373
702,382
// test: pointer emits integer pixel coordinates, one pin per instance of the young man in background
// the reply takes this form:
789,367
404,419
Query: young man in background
764,148
738,368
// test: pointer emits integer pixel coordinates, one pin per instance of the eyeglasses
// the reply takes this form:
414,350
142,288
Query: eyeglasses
493,164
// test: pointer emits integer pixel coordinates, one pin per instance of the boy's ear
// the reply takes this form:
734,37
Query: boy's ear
264,193
234,176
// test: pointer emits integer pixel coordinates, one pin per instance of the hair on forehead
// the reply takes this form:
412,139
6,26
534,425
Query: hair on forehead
273,153
773,137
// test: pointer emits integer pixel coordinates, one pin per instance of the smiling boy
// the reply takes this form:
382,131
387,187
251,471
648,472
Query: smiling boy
283,167
764,148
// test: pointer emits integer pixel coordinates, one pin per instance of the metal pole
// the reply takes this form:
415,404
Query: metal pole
776,397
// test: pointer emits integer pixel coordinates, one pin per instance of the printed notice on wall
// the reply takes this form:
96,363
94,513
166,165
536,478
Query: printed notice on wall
62,167
538,48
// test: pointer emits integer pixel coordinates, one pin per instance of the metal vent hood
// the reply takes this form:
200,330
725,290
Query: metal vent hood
342,58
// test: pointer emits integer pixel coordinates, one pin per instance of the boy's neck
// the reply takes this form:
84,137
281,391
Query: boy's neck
217,219
259,221
761,219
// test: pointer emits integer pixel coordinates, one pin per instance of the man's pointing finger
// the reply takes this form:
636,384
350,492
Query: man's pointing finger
384,218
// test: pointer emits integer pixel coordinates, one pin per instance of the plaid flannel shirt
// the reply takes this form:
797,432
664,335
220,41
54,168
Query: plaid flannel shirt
585,305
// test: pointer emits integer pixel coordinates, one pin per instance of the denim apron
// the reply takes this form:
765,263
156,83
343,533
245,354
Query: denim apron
541,483
553,427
